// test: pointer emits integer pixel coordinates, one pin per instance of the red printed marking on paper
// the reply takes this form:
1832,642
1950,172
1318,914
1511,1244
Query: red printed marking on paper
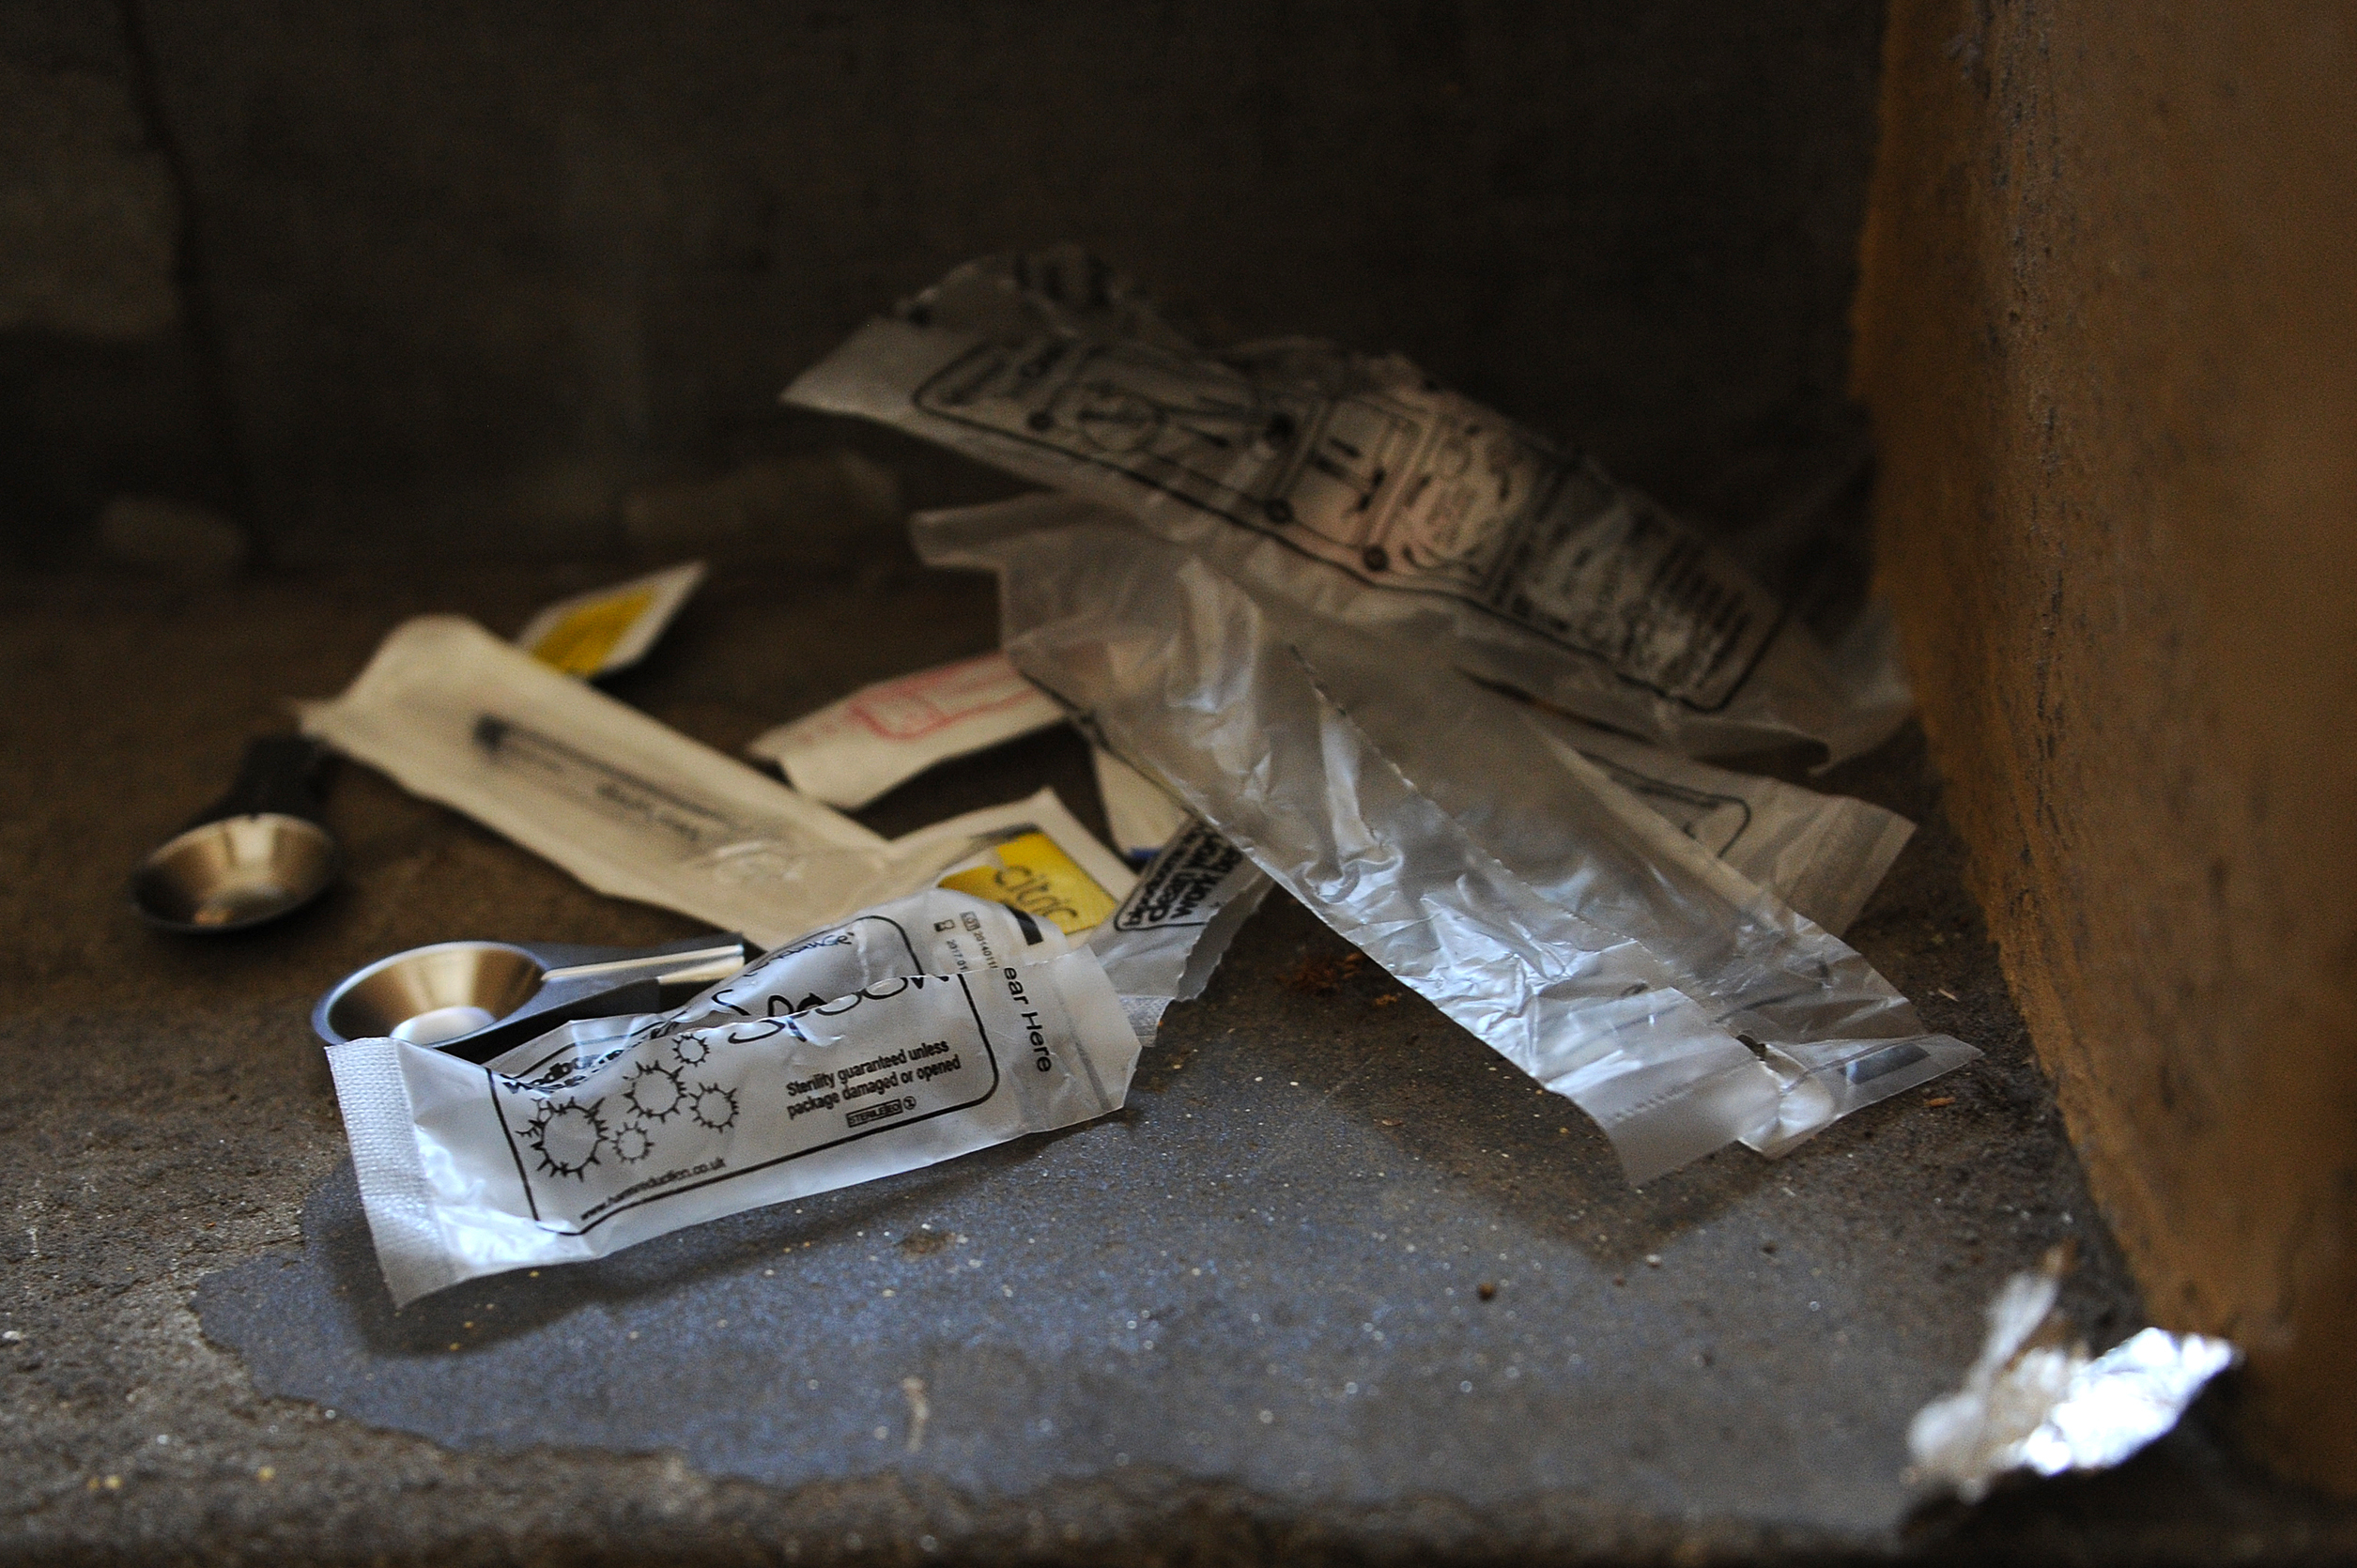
914,707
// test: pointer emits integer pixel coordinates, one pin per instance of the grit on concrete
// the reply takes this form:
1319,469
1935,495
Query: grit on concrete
1337,1285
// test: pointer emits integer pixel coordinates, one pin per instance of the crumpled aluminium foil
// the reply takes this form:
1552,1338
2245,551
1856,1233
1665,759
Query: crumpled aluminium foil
2033,1402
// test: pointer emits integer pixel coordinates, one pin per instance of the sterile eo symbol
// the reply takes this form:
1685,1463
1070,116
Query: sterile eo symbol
567,1135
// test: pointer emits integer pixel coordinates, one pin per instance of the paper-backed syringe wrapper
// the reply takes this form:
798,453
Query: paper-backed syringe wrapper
639,811
602,1134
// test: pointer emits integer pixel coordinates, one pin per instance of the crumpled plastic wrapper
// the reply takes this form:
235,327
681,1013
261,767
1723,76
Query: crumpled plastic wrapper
1499,874
2034,1402
1354,487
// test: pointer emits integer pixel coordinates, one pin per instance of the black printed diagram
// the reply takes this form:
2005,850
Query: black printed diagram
1399,484
570,1133
712,1107
654,1093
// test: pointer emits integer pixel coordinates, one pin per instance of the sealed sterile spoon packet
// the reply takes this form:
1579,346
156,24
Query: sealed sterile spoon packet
1354,487
970,1023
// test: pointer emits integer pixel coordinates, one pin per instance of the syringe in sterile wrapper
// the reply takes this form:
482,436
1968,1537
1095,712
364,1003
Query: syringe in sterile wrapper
578,775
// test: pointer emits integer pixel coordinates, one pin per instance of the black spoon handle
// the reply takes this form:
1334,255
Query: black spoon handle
279,774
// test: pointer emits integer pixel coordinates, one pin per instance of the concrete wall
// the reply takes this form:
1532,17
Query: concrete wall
104,382
2108,332
473,269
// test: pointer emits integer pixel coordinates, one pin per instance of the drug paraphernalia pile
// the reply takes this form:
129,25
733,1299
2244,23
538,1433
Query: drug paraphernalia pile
1326,626
1282,581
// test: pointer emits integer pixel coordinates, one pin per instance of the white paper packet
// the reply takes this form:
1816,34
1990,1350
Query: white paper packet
853,750
1354,487
638,810
1172,930
1823,855
1418,814
591,1139
1139,813
608,629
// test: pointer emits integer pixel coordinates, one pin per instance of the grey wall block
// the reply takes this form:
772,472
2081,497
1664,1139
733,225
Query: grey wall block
483,269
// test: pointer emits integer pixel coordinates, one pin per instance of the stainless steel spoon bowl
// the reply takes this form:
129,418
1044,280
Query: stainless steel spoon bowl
476,999
431,994
256,853
239,871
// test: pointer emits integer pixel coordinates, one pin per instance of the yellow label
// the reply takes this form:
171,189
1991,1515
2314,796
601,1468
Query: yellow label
1033,875
580,643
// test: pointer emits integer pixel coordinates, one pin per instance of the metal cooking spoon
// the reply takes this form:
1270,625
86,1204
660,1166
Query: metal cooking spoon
256,853
476,999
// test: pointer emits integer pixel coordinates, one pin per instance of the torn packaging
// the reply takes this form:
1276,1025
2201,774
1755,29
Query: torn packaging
602,1134
1169,934
1353,488
1529,896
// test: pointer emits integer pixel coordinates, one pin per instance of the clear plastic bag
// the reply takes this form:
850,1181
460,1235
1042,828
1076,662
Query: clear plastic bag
1823,855
1517,887
964,1026
1354,487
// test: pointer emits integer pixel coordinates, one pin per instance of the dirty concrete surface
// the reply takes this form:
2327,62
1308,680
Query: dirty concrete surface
1338,1285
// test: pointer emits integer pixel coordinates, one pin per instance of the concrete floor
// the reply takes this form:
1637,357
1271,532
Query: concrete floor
1243,1321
